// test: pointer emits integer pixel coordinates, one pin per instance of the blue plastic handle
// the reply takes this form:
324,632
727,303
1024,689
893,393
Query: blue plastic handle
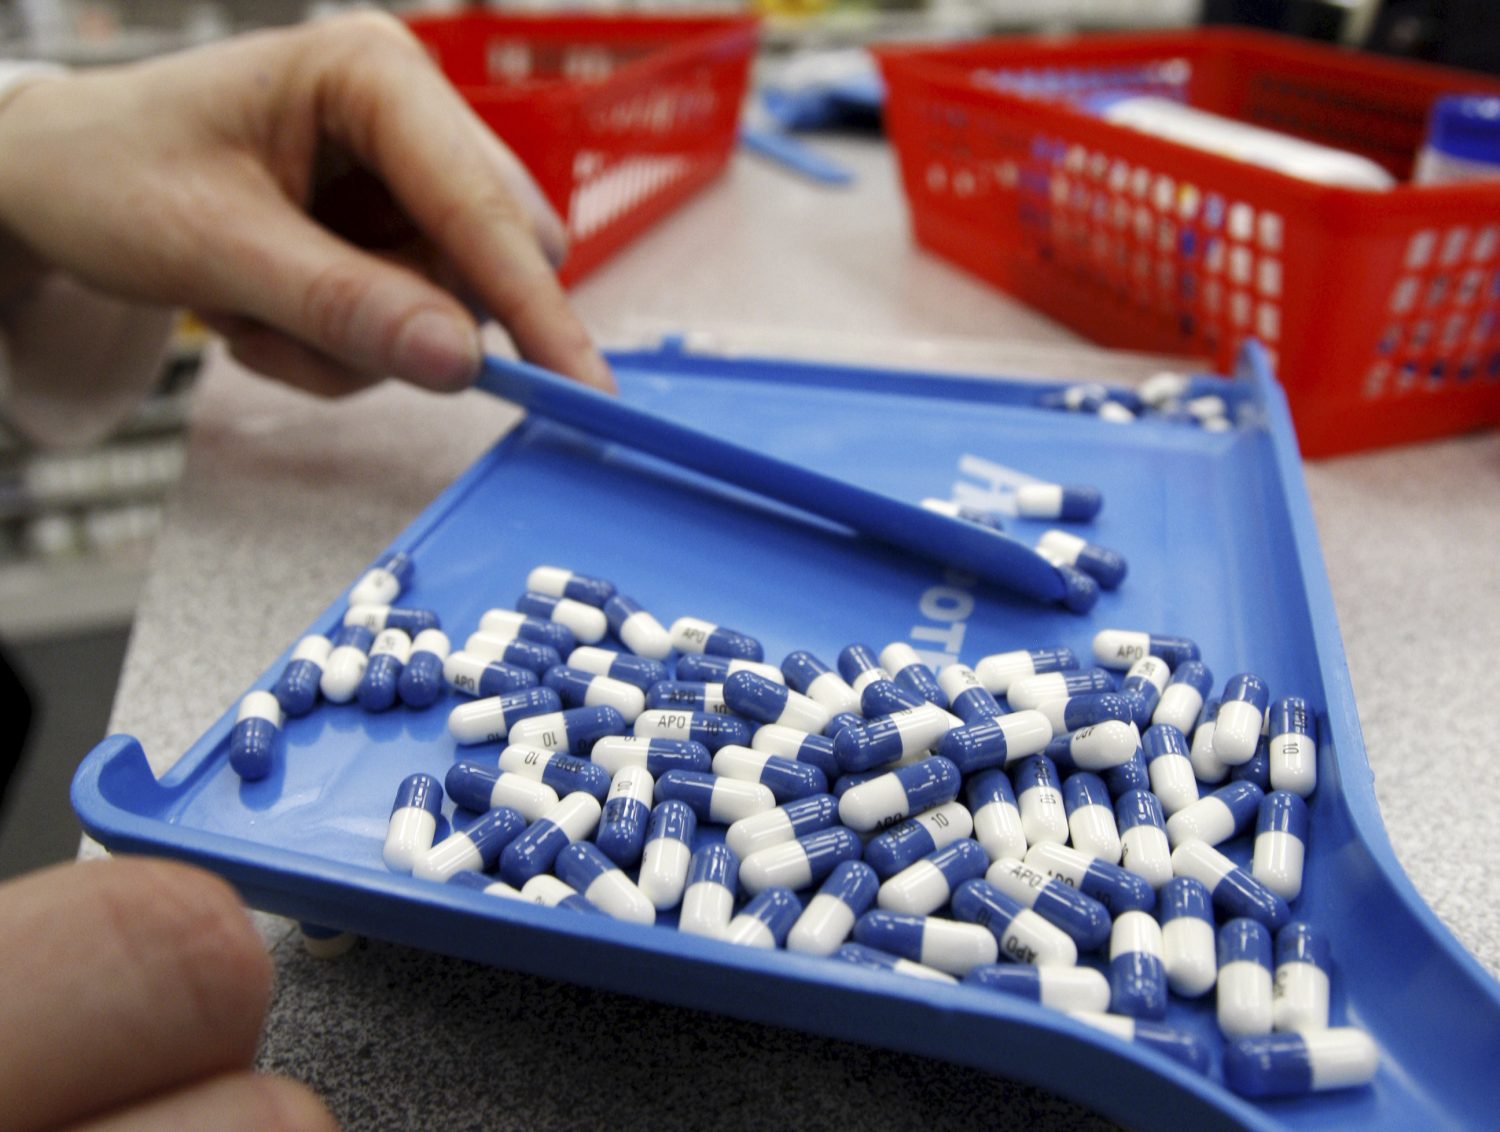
987,554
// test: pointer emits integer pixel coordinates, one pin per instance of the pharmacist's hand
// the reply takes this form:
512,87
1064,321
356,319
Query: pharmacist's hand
134,995
320,194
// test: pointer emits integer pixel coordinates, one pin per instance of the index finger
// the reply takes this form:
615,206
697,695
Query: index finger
459,183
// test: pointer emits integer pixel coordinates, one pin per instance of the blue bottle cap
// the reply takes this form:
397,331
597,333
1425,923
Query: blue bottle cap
1466,126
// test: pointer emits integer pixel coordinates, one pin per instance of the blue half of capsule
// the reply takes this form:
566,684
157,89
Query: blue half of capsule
1082,788
533,850
252,747
1244,940
904,844
1256,770
840,721
855,660
1138,985
421,683
622,830
777,909
1082,917
917,679
1080,591
852,883
1128,776
1139,807
641,671
353,636
882,697
1117,888
975,705
1185,897
296,689
715,864
569,775
975,746
534,656
1299,942
755,697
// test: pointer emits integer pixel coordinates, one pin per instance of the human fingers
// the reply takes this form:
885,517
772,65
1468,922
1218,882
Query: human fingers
271,353
236,1102
122,978
382,98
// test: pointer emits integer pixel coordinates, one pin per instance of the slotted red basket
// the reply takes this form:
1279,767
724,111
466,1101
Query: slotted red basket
1381,309
619,118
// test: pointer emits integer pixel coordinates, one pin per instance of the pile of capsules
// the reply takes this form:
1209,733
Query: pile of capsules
1175,397
951,835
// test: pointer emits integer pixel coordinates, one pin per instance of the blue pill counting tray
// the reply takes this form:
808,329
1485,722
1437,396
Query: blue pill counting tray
1221,546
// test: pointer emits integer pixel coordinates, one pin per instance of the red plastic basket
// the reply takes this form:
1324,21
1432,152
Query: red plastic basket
619,118
1381,309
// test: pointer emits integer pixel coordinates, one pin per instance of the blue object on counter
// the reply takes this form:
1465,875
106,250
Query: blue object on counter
796,155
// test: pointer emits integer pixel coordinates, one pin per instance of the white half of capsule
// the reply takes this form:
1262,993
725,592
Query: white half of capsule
479,721
784,865
1033,691
645,636
1190,954
1299,997
1044,817
587,622
1135,931
864,679
823,926
1039,500
775,739
707,907
749,931
870,805
1179,706
548,731
632,782
522,758
378,586
454,854
733,799
502,624
1151,669
1277,863
342,672
690,634
956,947
1065,546
1027,732
834,693
546,890
1294,763
921,727
1243,1006
260,705
921,971
1073,988
1340,1057
956,679
434,641
1031,939
489,646
1092,830
1101,746
392,642
1120,648
759,831
946,823
745,764
577,815
804,713
615,894
315,648
592,658
918,890
1201,862
1208,820
615,752
408,837
1173,782
1000,670
998,829
528,796
1207,766
1145,852
898,655
1236,732
664,870
606,691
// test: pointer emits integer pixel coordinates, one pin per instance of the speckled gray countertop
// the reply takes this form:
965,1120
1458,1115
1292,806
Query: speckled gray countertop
286,499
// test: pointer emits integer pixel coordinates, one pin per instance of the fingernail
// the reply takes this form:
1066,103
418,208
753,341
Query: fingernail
437,350
596,372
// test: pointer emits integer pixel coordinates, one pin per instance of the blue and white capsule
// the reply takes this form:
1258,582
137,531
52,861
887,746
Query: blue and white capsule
876,960
1142,687
807,674
1214,819
476,675
1280,843
998,671
508,624
256,737
1144,847
640,671
799,818
586,622
1242,711
637,629
573,819
717,669
1074,503
1118,889
787,780
489,720
1257,769
559,582
693,635
800,863
881,697
345,666
1182,699
1180,1045
889,738
799,746
1243,1008
1189,945
898,794
710,729
708,900
383,582
968,698
1120,648
909,671
1137,975
830,915
389,653
378,618
1020,934
1034,691
577,688
1296,1064
1293,746
953,946
1169,767
627,811
766,701
1084,919
475,849
765,921
1091,816
546,890
997,741
296,689
1235,892
1105,566
925,885
1088,709
1207,766
518,652
1080,592
582,866
1061,988
842,720
916,837
860,667
574,730
477,787
687,695
615,752
1044,817
1304,970
997,820
414,821
563,773
421,682
715,798
479,882
1099,747
667,854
